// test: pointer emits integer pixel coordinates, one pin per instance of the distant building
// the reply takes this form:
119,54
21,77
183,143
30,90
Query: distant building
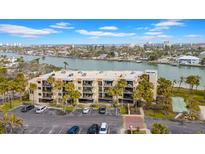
188,60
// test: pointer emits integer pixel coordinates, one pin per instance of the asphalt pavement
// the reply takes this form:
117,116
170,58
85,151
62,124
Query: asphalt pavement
178,127
52,122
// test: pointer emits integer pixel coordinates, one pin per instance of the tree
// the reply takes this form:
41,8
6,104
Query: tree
21,83
144,90
193,80
182,79
65,65
51,80
75,95
3,71
158,128
117,90
58,85
33,87
164,89
70,92
9,123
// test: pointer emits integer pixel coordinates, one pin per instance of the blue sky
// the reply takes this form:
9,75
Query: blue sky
88,31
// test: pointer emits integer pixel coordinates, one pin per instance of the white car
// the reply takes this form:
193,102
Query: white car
41,109
86,110
103,128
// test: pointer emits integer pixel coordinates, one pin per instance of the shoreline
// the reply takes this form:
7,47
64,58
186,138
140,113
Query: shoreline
110,60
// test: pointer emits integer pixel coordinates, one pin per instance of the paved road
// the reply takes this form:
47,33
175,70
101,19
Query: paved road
177,127
51,123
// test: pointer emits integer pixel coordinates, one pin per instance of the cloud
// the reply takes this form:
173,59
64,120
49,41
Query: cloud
108,28
62,25
102,33
153,33
150,37
24,31
193,36
166,24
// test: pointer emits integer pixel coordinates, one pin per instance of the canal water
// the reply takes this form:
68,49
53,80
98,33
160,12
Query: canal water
167,71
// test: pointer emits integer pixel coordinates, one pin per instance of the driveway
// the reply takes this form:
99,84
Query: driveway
51,123
177,127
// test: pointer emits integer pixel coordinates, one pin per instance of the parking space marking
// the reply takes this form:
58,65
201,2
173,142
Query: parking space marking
60,130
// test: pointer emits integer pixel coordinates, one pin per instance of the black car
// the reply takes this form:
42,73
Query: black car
94,129
27,108
102,110
73,130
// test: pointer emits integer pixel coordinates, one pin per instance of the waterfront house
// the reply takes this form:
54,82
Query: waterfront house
188,60
92,85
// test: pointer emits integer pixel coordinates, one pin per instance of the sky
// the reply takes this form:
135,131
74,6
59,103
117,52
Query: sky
101,31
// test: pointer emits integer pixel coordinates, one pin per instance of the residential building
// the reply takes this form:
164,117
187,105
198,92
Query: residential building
188,60
93,85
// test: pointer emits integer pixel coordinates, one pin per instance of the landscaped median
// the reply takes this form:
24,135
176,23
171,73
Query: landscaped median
5,107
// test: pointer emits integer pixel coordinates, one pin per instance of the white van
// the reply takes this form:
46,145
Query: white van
103,128
41,109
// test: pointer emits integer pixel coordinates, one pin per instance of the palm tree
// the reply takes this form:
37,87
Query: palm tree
58,85
9,123
75,95
21,83
69,88
193,80
144,90
158,128
117,90
33,87
65,65
182,79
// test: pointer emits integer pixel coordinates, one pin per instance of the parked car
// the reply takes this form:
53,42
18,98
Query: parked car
41,109
102,110
26,108
73,130
103,128
86,110
94,129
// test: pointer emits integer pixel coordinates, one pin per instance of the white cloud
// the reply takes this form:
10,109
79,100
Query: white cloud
108,28
193,36
166,24
169,23
153,33
24,31
150,37
102,33
62,25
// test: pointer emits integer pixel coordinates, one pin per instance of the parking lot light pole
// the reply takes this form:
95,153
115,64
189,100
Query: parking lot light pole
131,129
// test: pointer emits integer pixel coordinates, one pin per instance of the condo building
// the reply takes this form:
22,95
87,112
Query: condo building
92,85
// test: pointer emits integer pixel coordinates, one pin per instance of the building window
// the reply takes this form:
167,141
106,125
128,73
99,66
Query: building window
39,94
79,88
79,82
39,88
39,82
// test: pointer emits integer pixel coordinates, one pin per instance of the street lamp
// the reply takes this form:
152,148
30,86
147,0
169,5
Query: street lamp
131,127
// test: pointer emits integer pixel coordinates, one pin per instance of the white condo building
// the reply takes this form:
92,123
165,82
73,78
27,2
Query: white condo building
93,85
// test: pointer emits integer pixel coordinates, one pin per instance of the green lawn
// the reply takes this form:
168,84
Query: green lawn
6,106
69,108
123,109
136,132
159,114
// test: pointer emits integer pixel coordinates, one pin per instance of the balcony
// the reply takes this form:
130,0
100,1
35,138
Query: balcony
87,83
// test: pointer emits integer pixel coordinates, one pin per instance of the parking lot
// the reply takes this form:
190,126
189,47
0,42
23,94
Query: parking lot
53,121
